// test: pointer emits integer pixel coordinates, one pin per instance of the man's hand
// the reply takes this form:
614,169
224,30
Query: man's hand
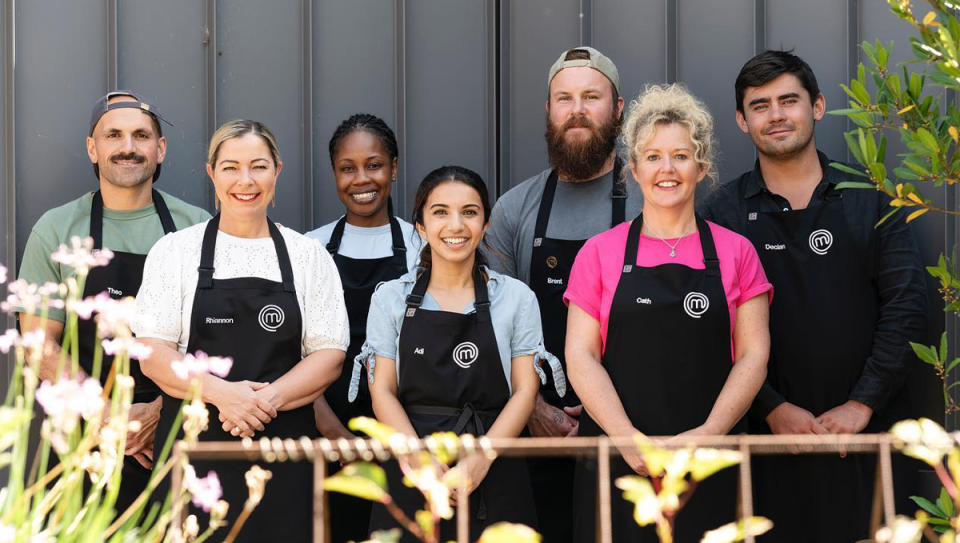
140,443
849,418
548,421
787,418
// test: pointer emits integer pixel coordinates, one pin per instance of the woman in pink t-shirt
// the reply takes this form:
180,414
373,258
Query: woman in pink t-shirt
667,331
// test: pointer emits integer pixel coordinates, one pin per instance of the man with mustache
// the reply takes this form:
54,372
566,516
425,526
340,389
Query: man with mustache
850,295
126,215
537,228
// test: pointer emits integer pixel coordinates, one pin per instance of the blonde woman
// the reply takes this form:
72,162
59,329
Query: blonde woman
241,286
671,337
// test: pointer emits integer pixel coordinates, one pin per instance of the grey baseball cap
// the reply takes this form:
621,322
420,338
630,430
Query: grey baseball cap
598,61
103,105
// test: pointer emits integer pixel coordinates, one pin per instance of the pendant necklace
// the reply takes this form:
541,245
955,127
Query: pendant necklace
673,248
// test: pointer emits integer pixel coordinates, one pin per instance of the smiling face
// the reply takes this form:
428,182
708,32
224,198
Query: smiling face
364,173
125,146
244,177
780,117
453,222
666,169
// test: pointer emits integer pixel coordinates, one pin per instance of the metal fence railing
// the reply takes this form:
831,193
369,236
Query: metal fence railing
320,451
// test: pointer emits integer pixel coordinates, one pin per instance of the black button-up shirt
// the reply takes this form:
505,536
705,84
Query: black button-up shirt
893,264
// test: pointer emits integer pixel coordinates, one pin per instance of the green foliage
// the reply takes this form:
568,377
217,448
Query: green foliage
362,480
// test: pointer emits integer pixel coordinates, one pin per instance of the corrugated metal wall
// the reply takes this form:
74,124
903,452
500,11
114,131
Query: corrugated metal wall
460,81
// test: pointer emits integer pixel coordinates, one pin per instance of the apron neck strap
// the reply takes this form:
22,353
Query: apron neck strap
618,202
481,298
96,217
336,236
399,248
210,245
710,260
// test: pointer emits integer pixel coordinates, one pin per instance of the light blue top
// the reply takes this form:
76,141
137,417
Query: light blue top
366,243
513,311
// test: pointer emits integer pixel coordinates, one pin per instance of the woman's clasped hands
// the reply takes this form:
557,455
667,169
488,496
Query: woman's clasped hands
245,406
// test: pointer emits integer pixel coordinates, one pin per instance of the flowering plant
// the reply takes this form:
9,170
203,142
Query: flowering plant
426,470
68,490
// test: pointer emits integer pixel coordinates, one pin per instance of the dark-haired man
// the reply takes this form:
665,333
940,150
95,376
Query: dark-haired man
126,146
537,228
849,298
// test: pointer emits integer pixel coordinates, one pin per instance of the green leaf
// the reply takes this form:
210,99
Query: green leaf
706,462
945,503
846,111
953,363
374,429
885,217
928,140
505,532
855,185
928,506
878,170
882,150
362,480
943,347
860,93
854,147
925,353
847,169
385,536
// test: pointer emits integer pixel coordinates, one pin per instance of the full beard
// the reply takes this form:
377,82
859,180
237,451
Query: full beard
581,160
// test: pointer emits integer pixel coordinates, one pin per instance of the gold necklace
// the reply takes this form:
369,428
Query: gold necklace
673,248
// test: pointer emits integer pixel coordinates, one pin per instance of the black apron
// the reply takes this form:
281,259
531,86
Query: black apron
258,323
667,323
120,278
452,380
821,331
359,277
550,265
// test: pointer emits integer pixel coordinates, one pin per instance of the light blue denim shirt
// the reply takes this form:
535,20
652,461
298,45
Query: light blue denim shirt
513,311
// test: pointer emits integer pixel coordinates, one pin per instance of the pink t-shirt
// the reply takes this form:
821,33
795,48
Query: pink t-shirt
596,271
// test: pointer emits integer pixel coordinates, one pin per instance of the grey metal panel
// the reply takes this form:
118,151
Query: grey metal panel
539,30
361,82
789,26
708,65
447,91
7,241
59,76
161,54
632,34
259,48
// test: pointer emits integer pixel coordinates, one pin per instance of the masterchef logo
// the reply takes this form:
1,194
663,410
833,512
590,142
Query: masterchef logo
271,317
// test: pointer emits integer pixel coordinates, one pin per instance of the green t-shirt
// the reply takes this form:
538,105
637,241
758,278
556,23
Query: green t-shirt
132,231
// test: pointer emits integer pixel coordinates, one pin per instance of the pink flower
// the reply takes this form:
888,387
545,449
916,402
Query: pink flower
23,297
114,317
83,308
3,274
80,255
131,346
8,340
33,339
68,400
7,533
205,492
199,363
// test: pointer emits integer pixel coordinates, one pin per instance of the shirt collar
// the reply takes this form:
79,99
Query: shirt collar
494,279
831,176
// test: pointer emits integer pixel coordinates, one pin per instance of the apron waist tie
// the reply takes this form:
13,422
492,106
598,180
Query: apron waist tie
464,416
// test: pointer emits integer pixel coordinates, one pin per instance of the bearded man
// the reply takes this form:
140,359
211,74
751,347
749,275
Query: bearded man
126,215
537,228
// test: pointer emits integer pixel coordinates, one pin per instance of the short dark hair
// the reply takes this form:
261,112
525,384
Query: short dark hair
769,65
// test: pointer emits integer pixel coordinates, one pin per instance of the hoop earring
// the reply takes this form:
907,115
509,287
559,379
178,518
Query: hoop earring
274,199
